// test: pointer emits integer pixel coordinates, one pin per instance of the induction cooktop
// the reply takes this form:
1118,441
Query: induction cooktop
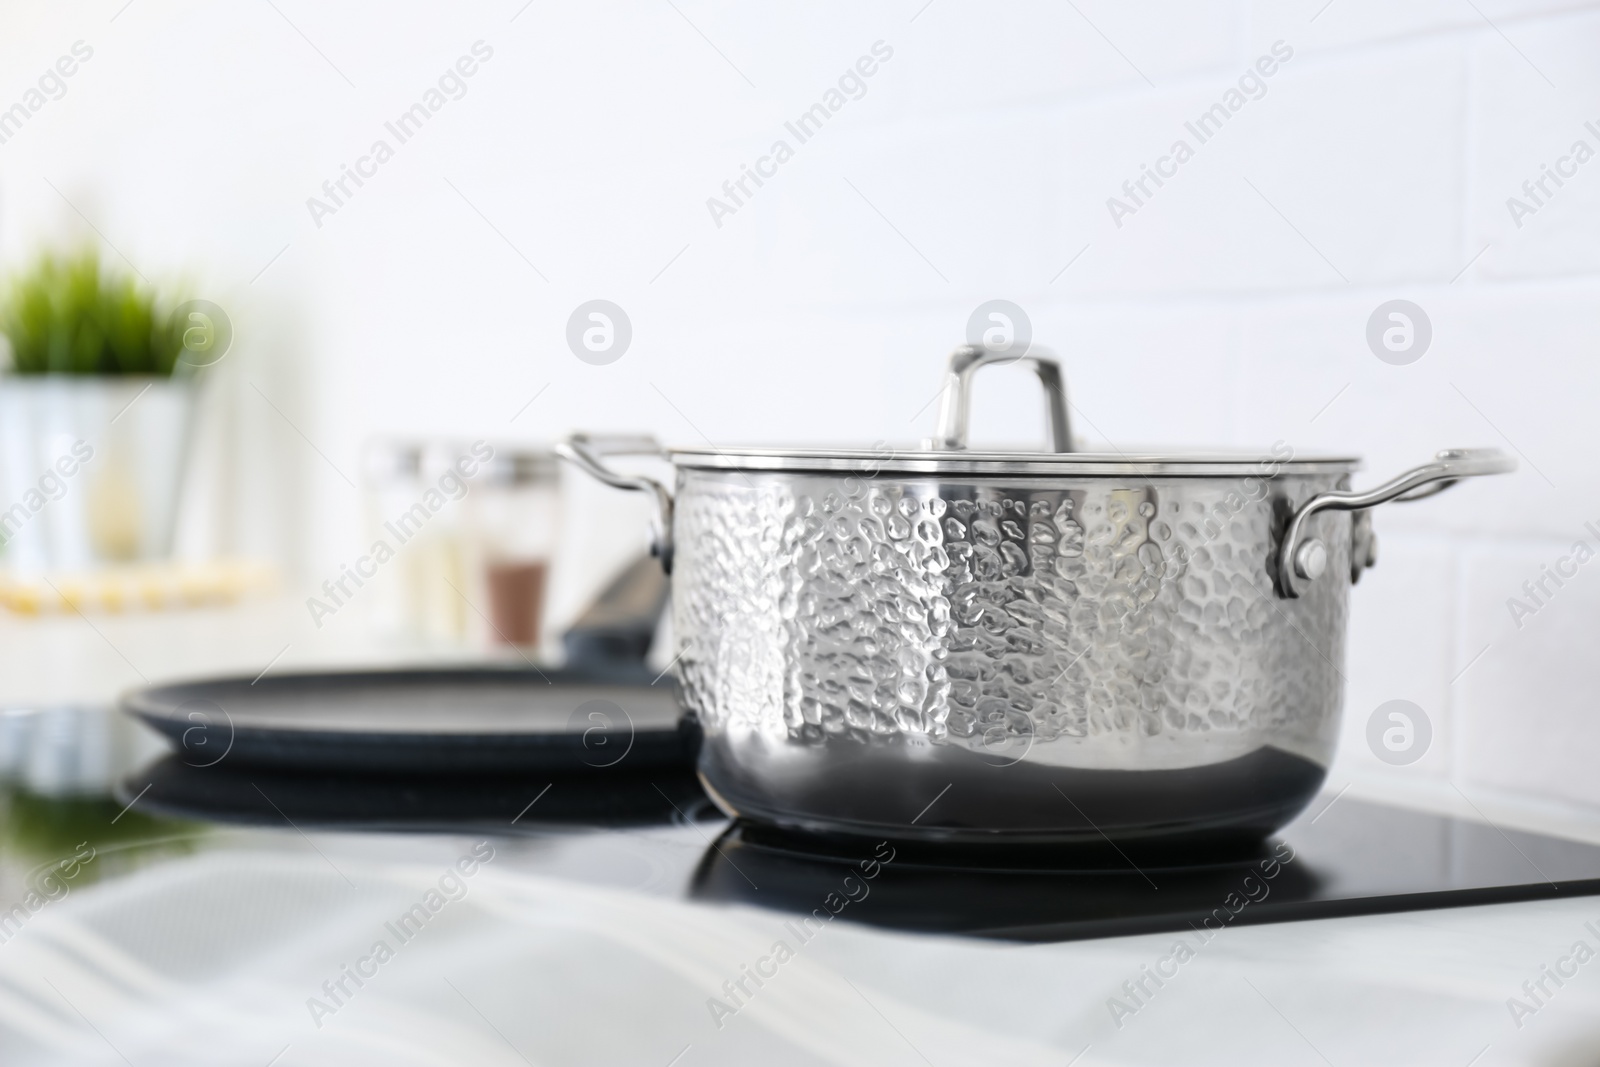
1342,857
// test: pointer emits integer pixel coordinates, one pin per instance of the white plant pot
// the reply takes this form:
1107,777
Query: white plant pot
90,469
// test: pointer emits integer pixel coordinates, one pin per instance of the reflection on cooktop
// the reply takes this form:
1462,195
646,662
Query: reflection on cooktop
1348,858
596,799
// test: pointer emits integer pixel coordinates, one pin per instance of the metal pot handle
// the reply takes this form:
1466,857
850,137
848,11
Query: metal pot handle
588,451
1302,560
956,405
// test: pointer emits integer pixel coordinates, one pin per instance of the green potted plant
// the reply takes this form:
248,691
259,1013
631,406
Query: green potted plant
96,407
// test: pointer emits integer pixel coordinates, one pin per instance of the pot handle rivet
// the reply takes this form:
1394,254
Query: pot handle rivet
1295,562
1311,560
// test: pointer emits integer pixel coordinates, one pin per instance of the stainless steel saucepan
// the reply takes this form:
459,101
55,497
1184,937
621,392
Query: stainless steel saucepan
1014,647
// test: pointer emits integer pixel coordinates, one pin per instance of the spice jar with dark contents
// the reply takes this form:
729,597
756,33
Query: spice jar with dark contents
517,513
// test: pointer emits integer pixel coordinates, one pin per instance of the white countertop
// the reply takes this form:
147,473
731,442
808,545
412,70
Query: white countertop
67,658
213,958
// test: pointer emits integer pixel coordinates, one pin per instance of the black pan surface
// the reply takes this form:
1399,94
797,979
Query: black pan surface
445,721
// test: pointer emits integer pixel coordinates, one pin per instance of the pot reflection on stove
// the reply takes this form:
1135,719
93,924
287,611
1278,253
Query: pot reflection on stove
1019,893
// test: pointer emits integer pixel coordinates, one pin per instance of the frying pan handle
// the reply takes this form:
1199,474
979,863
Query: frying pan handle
1302,560
588,453
956,405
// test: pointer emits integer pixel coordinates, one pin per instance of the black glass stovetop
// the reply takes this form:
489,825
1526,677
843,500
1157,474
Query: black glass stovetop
1341,857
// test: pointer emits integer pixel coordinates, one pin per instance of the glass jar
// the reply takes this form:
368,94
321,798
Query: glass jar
515,511
392,479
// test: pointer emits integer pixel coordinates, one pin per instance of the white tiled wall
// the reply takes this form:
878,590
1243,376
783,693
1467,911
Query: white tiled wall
1229,310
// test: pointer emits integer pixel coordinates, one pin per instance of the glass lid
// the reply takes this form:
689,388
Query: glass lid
947,453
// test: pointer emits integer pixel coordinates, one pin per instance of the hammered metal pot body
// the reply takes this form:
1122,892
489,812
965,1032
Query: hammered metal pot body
967,658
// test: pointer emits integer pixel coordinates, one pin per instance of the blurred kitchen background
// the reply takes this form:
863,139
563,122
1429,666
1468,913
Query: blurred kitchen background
426,308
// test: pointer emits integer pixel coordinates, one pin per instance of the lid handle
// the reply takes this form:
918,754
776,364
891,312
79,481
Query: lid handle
956,405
